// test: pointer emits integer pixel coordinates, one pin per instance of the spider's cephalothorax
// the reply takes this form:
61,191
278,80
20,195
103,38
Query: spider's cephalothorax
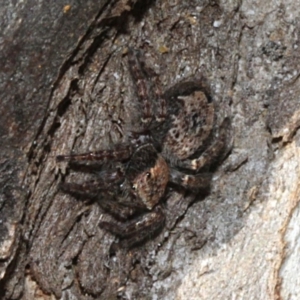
175,144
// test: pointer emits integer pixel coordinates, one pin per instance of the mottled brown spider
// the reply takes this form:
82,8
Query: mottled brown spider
175,145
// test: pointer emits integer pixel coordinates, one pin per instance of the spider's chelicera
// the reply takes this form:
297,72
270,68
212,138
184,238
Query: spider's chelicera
175,145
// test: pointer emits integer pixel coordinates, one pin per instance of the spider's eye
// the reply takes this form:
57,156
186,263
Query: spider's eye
148,175
133,187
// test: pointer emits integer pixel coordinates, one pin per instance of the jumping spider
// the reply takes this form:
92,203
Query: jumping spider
172,147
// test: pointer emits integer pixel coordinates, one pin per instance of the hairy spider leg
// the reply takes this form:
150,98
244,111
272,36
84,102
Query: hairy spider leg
190,182
118,153
137,230
140,82
211,153
162,106
105,195
106,180
161,113
83,190
116,209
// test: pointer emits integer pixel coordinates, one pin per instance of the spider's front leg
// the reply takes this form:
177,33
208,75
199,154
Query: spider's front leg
106,180
137,230
119,153
106,195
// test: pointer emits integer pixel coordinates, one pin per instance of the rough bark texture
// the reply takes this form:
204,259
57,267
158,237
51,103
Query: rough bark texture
65,86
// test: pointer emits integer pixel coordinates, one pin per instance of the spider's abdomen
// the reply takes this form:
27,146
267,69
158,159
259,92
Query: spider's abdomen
190,128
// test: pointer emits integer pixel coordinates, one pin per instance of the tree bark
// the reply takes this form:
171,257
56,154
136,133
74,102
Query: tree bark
65,86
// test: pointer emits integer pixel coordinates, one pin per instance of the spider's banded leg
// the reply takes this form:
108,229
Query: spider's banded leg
119,153
138,76
145,72
106,197
161,102
84,190
120,212
190,182
91,189
137,230
211,153
161,110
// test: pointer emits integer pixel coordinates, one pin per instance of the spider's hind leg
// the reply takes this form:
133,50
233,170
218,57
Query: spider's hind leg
139,77
141,74
190,182
215,151
161,110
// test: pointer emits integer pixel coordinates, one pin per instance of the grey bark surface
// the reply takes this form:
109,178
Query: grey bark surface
65,86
